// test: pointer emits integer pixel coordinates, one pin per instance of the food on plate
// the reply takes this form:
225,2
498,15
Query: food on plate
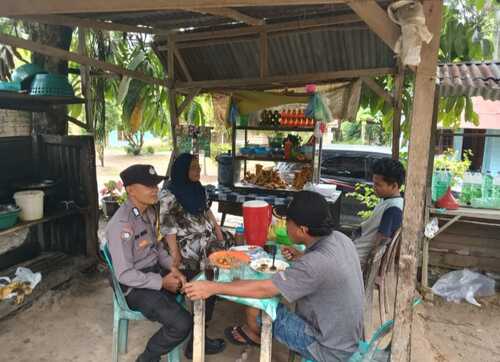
265,265
266,177
302,177
226,259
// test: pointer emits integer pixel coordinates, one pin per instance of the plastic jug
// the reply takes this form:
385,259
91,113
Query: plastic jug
257,216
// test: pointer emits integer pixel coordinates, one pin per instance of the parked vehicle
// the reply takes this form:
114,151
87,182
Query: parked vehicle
345,166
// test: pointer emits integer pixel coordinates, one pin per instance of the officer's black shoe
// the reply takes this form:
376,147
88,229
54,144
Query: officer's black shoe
146,357
212,346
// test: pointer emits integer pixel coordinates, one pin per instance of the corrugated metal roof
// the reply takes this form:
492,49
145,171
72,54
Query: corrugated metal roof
171,20
290,53
470,79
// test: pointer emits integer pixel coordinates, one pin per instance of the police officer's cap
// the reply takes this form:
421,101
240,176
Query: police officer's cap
140,174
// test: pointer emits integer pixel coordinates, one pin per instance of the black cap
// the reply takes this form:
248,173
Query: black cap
140,174
309,209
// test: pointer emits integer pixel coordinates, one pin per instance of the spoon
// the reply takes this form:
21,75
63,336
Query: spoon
275,249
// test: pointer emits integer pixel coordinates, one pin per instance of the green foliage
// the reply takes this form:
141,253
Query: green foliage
466,35
448,160
150,150
365,194
133,150
218,148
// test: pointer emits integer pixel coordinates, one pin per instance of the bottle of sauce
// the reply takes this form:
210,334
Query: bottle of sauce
239,235
288,149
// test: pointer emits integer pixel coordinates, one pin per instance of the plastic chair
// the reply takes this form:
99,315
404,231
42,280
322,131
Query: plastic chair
122,314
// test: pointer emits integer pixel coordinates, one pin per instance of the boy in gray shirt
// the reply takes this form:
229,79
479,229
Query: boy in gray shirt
325,282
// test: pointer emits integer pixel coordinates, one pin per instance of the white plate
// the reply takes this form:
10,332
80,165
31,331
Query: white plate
279,264
246,248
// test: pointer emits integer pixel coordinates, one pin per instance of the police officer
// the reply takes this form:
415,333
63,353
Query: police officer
143,266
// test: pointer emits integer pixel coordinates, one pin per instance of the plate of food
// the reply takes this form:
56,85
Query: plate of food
225,259
264,265
246,248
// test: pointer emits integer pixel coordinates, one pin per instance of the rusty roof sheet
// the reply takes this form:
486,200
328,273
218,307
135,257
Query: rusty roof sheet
470,79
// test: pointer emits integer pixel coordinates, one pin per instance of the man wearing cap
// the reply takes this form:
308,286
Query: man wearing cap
325,282
143,266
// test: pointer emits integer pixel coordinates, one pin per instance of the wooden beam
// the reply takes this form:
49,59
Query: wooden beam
29,7
254,37
85,79
183,65
278,81
378,21
73,21
381,92
189,98
78,58
77,122
263,53
416,182
231,14
398,109
269,28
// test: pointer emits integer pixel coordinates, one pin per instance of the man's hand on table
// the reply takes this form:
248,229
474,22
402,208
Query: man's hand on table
199,290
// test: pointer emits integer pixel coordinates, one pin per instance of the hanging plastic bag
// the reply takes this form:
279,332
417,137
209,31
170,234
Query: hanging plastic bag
464,284
409,14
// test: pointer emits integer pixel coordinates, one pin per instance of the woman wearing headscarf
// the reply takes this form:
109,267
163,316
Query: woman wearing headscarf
186,221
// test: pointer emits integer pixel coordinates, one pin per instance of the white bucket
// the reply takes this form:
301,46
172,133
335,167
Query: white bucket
31,204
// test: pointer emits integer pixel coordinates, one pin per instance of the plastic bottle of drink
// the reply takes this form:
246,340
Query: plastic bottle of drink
487,190
465,194
442,182
476,186
496,190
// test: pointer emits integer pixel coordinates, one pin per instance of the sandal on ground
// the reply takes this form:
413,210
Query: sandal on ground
228,333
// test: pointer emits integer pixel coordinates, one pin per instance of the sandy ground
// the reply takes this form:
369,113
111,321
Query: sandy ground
116,160
74,322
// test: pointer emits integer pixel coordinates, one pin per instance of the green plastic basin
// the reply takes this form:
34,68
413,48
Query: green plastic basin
8,216
10,86
25,74
51,85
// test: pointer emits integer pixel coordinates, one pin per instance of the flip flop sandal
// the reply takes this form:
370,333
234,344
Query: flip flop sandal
228,332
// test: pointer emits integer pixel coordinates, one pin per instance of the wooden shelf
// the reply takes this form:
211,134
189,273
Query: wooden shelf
276,129
269,159
49,217
24,101
488,214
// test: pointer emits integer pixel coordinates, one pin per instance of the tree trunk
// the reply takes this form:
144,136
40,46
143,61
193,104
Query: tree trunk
54,122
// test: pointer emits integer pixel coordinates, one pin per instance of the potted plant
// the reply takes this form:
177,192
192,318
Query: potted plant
112,196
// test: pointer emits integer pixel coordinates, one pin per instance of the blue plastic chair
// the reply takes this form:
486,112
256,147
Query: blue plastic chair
122,314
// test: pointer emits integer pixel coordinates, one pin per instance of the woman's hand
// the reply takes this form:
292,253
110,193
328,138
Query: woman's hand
291,253
218,233
176,258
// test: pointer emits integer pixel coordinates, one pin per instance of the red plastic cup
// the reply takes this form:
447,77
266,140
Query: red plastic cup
257,216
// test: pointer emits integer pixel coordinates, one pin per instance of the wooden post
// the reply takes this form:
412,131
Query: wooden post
172,100
199,331
424,289
398,108
85,80
418,161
